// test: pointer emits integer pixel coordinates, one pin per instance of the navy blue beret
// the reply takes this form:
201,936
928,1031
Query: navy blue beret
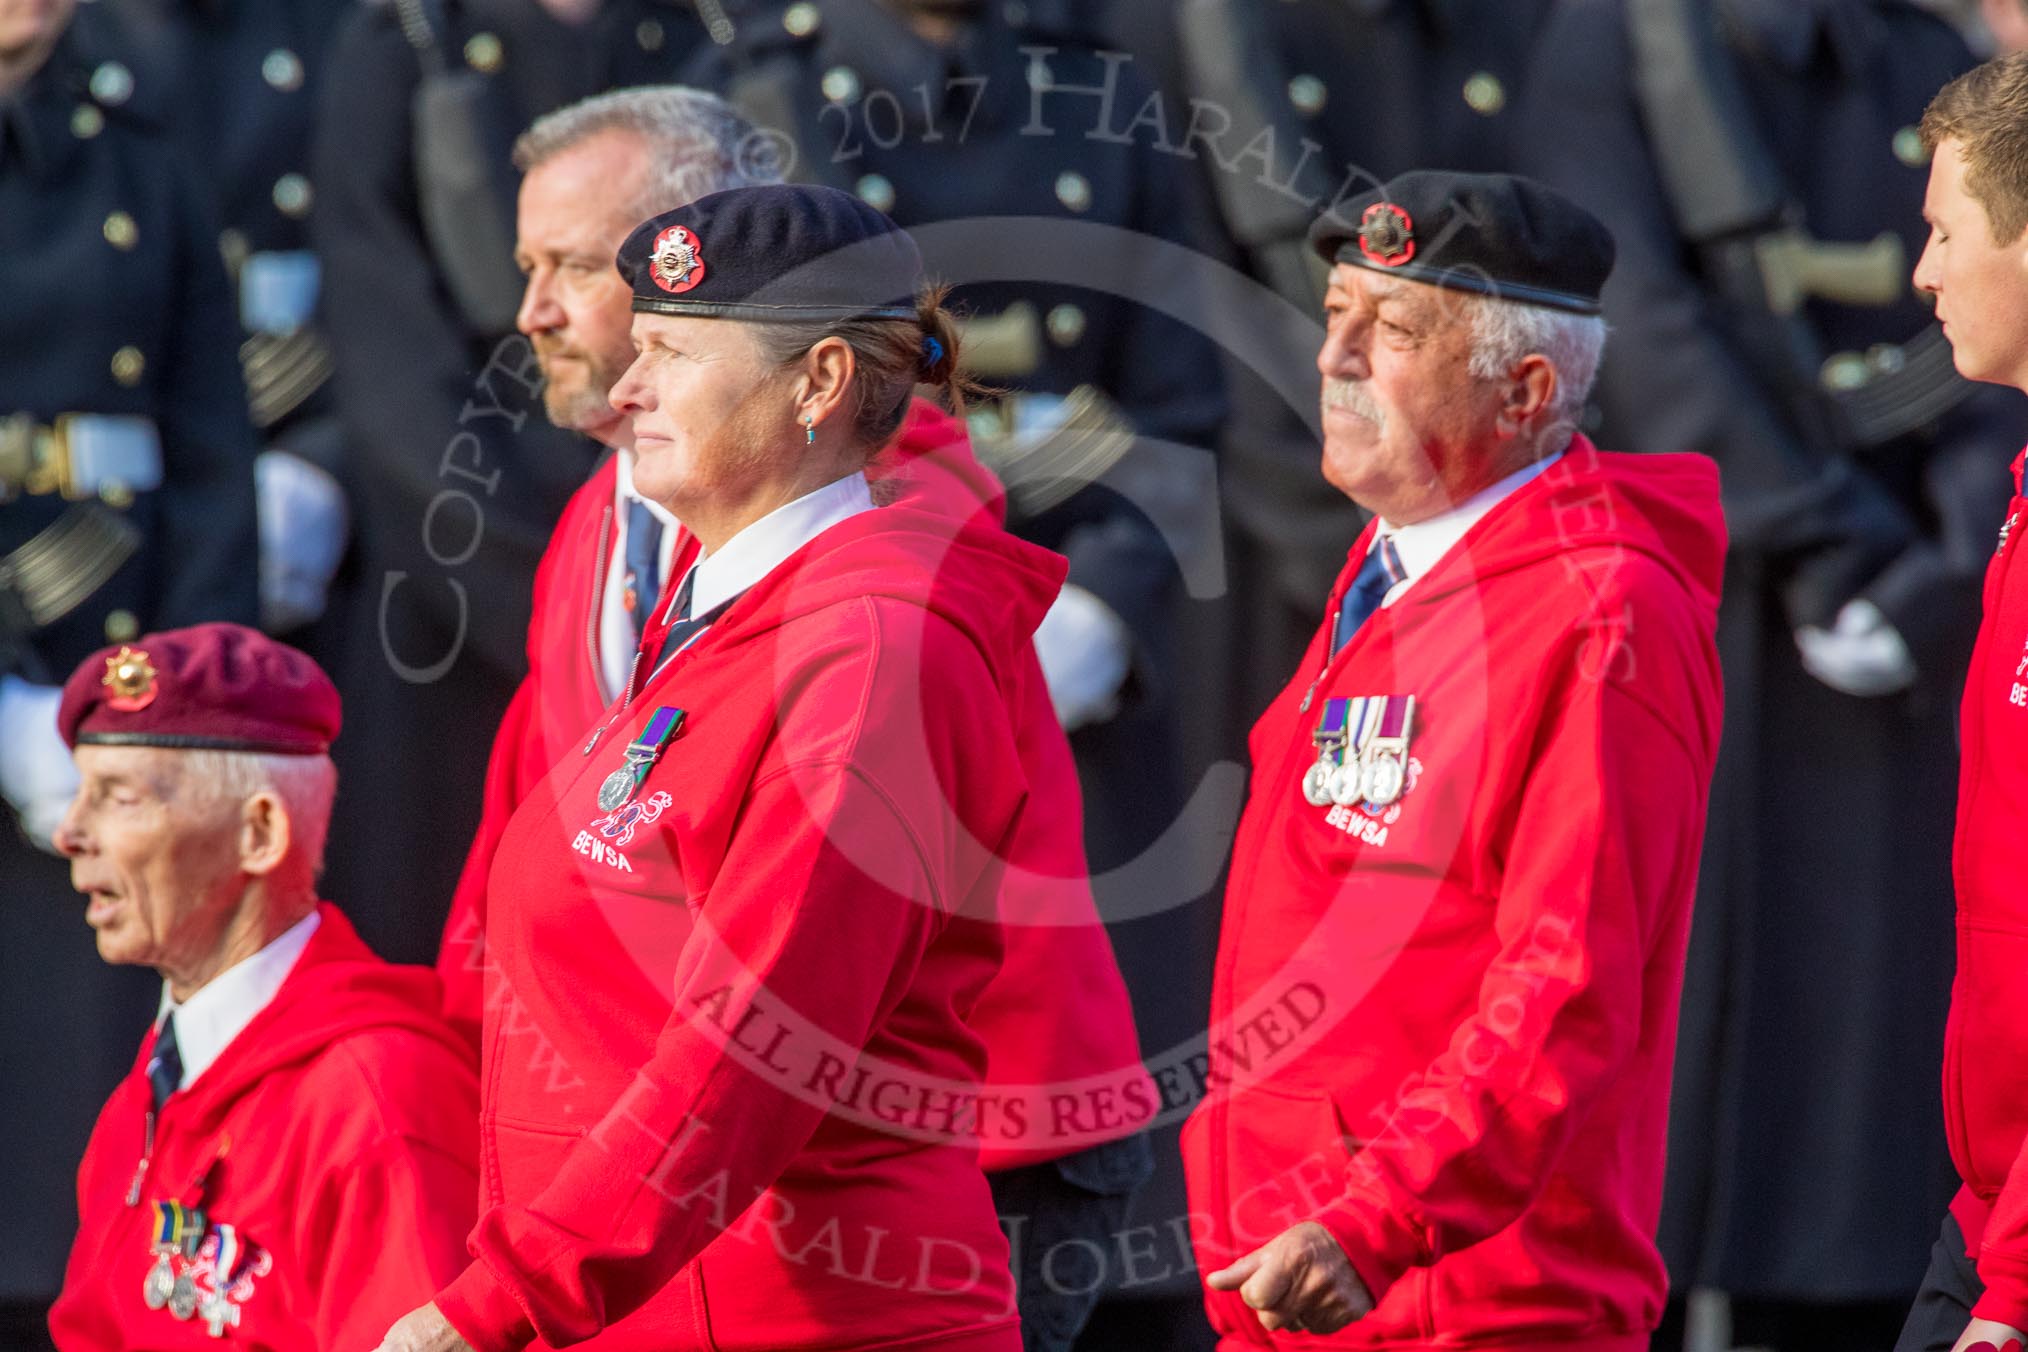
1496,234
783,251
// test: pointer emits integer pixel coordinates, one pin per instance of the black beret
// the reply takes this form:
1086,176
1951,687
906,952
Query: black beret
1496,234
784,251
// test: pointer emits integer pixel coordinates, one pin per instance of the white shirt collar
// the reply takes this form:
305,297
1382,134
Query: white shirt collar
1422,545
760,548
221,1009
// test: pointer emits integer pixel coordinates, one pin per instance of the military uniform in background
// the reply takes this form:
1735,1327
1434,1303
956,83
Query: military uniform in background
246,75
459,474
1864,482
986,154
1341,96
126,504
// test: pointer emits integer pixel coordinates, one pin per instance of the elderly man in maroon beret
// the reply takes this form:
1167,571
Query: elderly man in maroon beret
291,1160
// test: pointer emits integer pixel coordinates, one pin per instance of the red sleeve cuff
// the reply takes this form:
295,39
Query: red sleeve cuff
484,1312
1378,1246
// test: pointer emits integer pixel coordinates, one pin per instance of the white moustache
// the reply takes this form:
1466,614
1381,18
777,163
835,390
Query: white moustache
1352,397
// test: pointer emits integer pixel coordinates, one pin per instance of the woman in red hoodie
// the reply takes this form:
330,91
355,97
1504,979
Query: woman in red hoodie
728,1090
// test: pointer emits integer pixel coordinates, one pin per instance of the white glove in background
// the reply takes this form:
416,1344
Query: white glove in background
1860,654
37,776
1085,651
303,525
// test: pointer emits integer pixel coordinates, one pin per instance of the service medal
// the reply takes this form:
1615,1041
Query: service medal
617,788
1387,751
1330,739
161,1278
183,1297
1386,776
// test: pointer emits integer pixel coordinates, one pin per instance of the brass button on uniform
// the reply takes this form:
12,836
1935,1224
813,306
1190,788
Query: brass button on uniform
1908,148
292,195
1307,92
129,365
1065,324
283,70
484,53
120,231
86,121
801,19
648,33
1484,94
840,84
1845,371
112,84
877,191
1073,190
115,494
121,626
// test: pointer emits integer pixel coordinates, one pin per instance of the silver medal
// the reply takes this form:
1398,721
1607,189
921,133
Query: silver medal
1347,783
183,1297
1386,774
1316,784
161,1277
617,789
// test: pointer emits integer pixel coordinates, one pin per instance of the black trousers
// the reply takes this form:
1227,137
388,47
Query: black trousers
1943,1304
1062,1219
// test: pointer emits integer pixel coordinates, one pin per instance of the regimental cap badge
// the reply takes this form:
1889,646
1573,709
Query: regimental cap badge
131,678
677,260
1387,235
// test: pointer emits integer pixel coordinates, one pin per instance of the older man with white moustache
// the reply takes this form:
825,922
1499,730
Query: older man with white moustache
1473,826
291,1160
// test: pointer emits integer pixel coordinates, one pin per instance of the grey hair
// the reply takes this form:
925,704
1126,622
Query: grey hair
698,143
1504,331
307,786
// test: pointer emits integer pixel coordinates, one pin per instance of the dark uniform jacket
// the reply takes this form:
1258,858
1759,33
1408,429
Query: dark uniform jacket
458,472
115,303
247,74
1806,1147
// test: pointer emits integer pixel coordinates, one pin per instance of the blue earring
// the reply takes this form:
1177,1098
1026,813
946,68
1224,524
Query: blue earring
809,430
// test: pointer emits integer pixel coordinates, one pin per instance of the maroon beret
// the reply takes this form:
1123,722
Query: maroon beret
211,687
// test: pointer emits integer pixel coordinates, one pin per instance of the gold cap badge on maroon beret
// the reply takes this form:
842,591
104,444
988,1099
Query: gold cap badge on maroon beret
1387,235
131,678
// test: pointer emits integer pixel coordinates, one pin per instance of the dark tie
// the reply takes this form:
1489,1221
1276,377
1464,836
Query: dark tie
644,564
165,1063
684,626
1370,585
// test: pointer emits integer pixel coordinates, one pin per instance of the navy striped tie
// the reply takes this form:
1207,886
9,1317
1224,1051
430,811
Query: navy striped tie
165,1064
644,564
1370,585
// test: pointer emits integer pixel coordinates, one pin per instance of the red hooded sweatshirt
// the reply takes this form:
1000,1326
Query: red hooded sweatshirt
333,1135
1443,1028
727,1076
1063,1061
1986,1041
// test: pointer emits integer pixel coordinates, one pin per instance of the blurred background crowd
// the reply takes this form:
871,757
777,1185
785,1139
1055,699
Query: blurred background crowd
259,361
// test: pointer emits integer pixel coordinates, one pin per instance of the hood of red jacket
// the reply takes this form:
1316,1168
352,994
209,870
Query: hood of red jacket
931,465
990,585
1663,506
338,988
